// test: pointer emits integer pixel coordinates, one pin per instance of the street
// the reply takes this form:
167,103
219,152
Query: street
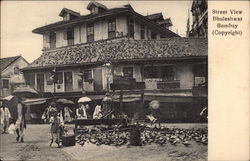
36,147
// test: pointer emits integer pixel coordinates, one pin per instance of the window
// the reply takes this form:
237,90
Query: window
200,74
142,32
94,10
153,35
40,82
51,39
87,75
59,78
30,79
69,36
90,32
131,28
128,72
151,72
167,72
112,28
6,83
16,70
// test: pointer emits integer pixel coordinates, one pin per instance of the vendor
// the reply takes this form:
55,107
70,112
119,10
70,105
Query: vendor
98,112
107,106
155,115
83,111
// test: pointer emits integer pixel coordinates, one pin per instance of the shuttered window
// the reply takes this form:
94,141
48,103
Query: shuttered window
112,28
90,32
6,83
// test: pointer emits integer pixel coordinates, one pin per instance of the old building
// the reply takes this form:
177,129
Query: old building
10,73
91,53
200,21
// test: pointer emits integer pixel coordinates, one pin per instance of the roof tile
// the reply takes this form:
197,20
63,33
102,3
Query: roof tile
123,49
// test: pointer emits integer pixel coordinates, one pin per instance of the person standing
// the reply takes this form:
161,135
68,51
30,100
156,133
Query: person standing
19,119
5,117
67,114
155,114
107,106
81,112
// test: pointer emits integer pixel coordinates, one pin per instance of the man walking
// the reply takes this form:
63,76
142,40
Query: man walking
19,119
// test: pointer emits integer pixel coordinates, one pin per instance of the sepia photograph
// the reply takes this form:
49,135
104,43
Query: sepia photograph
104,80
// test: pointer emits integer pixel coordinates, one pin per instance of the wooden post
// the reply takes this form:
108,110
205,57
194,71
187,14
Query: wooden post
121,101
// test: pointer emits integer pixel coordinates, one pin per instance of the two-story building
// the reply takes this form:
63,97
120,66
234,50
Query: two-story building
11,76
91,52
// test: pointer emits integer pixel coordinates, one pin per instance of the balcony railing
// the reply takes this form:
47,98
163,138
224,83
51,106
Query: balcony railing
168,84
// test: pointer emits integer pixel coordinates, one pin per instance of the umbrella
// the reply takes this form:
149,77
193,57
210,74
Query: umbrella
154,104
25,92
84,99
65,101
7,98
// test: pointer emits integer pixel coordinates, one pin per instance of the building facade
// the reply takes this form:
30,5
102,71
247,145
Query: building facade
92,53
11,76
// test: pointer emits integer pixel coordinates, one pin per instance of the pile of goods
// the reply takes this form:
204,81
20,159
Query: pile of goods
121,136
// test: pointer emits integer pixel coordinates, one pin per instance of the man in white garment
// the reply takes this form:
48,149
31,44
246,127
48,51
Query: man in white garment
4,117
20,121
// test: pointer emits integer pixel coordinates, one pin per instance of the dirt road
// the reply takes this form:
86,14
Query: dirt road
35,146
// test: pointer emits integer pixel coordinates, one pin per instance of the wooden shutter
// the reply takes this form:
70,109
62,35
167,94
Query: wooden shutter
65,35
47,37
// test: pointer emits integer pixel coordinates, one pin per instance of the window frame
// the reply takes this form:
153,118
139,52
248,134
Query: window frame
143,27
6,83
170,76
90,34
87,75
57,79
112,28
31,82
153,35
131,27
130,75
148,73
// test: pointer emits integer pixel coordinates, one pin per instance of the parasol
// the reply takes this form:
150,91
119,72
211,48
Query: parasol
65,101
25,92
7,98
154,104
84,99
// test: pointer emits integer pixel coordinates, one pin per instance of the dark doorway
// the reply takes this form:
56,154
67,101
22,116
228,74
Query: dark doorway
68,81
40,82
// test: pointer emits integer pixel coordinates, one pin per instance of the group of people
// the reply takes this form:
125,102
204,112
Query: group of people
102,110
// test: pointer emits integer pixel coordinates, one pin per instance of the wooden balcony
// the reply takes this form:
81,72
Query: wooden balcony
200,90
175,84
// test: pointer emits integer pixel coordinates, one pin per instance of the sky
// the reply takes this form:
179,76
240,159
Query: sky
19,18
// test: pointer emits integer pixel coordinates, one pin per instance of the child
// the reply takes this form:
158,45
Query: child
55,128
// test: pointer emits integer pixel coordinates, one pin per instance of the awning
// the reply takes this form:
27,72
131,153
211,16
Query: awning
170,99
127,99
35,101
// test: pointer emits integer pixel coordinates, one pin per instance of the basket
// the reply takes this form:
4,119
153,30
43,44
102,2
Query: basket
68,140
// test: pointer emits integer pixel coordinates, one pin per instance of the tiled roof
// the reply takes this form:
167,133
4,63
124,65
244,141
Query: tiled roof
69,11
109,12
122,50
154,16
80,19
166,21
5,62
96,4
